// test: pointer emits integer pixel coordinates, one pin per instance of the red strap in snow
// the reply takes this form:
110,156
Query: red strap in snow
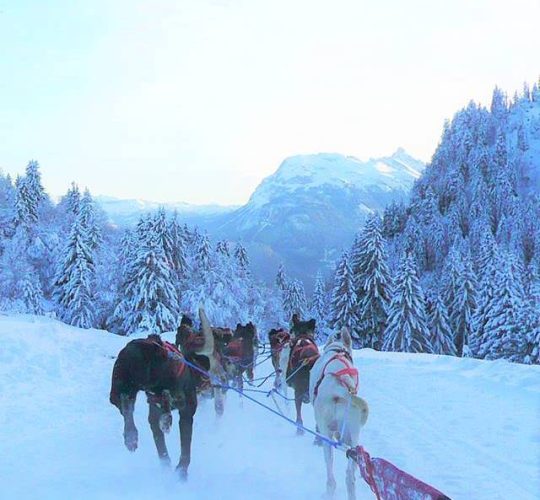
390,483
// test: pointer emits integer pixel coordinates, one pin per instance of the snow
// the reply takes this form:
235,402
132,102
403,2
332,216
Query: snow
312,171
127,211
468,427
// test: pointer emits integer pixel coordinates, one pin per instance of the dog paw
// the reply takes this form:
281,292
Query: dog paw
181,470
165,422
131,440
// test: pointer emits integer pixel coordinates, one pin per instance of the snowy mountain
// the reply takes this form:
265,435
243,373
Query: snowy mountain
313,205
62,438
127,212
302,215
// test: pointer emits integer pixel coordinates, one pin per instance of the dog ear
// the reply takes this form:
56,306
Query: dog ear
346,338
311,324
186,320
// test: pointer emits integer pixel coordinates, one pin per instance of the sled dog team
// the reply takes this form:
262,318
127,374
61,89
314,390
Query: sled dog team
172,376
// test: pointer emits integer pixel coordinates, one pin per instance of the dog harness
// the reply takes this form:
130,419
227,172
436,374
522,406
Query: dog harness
278,340
349,370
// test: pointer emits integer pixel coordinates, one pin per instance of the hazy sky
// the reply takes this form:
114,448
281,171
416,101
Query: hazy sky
199,100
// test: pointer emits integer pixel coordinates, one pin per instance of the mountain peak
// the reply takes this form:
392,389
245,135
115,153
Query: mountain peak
313,171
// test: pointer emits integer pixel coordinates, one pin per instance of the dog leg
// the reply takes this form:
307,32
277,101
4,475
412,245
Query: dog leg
350,479
127,406
218,401
298,397
186,432
330,479
155,415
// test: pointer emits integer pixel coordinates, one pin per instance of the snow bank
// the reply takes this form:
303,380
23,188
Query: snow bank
468,427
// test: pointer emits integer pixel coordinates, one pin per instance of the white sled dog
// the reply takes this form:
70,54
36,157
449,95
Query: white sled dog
339,412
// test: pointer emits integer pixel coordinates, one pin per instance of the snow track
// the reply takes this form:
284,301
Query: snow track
470,428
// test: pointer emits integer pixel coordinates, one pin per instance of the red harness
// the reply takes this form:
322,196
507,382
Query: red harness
174,354
278,340
234,350
303,350
349,370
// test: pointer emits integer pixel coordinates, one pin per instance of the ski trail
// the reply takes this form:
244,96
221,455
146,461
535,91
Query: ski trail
467,427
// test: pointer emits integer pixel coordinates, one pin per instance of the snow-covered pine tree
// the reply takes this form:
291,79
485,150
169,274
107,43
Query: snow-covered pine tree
487,264
499,107
178,252
223,248
373,281
319,305
203,255
74,284
72,199
504,316
32,294
531,327
394,219
463,307
29,195
26,214
344,301
242,260
7,208
295,299
281,279
89,221
450,280
441,336
149,302
14,264
161,233
407,328
33,183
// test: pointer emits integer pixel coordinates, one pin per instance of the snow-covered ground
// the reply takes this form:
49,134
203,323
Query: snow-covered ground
470,428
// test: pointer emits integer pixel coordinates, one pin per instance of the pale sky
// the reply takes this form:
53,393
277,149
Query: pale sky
198,100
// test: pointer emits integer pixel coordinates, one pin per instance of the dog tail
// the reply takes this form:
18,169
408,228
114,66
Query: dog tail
361,405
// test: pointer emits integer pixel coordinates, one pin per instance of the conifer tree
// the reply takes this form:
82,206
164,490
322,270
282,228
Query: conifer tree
281,279
463,307
407,328
451,277
223,248
26,214
344,302
32,294
203,256
242,259
295,299
33,183
74,284
487,264
89,221
503,318
72,199
178,251
373,281
318,303
441,336
149,303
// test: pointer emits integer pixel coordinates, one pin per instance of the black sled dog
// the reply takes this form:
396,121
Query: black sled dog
157,368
